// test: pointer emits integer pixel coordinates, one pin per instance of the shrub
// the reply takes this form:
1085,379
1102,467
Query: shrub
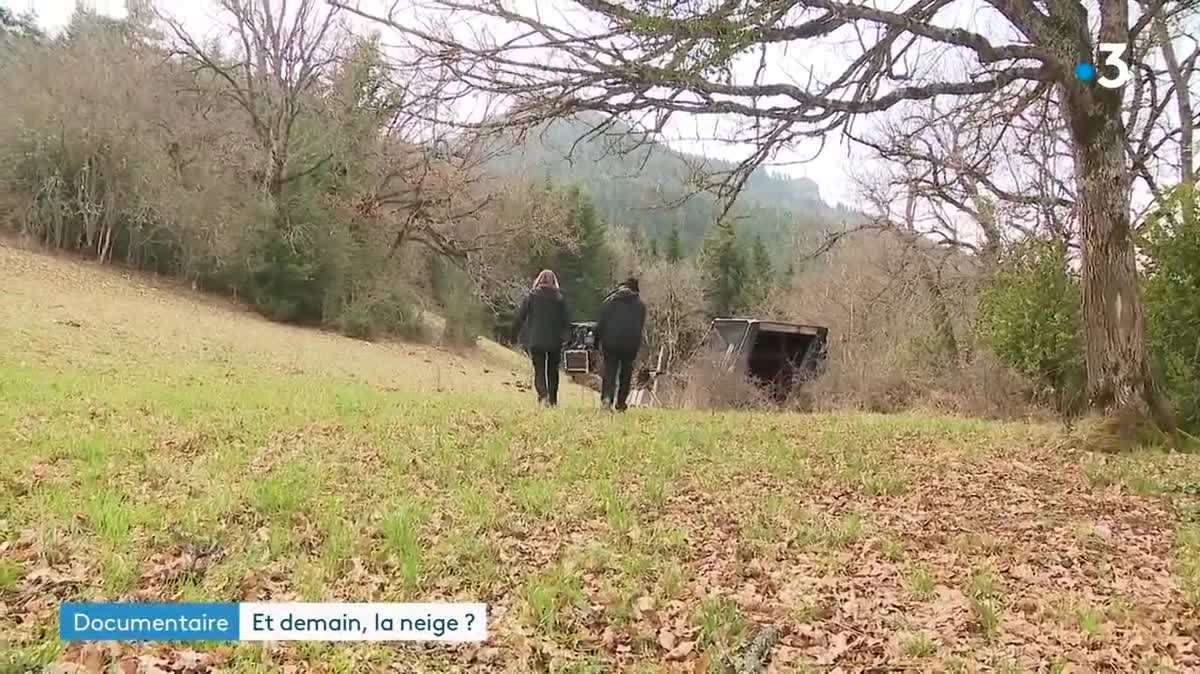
1029,317
286,279
466,317
355,321
393,312
1171,244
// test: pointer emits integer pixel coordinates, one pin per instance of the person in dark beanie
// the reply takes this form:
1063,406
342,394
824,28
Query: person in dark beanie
619,338
543,319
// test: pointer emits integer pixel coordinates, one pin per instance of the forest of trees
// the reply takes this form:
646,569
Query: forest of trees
303,169
647,188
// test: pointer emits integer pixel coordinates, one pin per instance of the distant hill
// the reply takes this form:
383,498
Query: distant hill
632,188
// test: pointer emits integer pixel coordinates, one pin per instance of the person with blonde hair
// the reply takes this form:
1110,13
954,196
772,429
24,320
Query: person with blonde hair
543,322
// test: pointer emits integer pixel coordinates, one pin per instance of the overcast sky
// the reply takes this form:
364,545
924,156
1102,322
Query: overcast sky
826,170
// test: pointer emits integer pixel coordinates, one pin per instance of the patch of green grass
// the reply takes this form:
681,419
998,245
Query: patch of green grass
551,600
280,542
119,573
893,550
1090,622
538,497
402,539
1059,666
760,531
588,665
473,560
921,584
618,513
17,658
846,531
109,516
1084,533
1004,664
619,597
656,489
885,484
1153,664
920,645
478,507
286,492
978,544
1121,610
648,667
10,575
637,566
982,584
671,580
721,623
336,549
986,612
1141,471
956,664
669,541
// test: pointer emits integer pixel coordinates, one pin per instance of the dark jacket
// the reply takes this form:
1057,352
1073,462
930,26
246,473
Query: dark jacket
543,318
621,322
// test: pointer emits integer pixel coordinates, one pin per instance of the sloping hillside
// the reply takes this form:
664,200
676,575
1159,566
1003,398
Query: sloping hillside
69,311
157,445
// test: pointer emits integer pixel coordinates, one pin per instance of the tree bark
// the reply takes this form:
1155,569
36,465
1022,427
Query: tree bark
1120,380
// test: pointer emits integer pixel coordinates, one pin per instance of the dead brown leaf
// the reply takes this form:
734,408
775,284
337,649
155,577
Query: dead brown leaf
682,650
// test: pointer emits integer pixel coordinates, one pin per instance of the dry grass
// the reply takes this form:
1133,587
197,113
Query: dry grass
60,307
887,381
704,385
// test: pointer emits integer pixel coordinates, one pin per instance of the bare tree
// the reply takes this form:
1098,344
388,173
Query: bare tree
979,184
278,56
667,58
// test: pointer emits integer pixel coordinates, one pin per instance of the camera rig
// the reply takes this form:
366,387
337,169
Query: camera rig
579,352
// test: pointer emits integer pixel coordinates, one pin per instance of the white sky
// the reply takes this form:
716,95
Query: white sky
827,169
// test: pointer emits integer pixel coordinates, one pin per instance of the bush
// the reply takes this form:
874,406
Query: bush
466,317
1171,244
355,320
1030,319
286,280
373,315
704,384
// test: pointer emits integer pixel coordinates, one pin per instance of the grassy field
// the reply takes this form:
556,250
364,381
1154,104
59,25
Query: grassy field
160,445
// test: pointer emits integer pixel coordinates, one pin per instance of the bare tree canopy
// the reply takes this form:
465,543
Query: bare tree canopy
279,55
709,58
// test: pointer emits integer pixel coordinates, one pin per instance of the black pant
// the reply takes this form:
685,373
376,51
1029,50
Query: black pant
545,374
618,373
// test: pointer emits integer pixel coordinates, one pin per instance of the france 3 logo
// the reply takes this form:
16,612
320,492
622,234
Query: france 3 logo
1114,62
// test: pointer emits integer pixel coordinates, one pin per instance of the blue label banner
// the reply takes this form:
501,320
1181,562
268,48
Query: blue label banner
148,622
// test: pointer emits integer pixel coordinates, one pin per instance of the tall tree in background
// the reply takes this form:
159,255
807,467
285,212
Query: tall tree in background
673,250
663,59
583,269
16,27
726,269
761,274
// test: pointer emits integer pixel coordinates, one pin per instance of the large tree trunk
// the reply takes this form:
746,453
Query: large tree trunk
1121,382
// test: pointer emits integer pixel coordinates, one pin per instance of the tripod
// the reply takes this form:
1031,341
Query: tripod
645,393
